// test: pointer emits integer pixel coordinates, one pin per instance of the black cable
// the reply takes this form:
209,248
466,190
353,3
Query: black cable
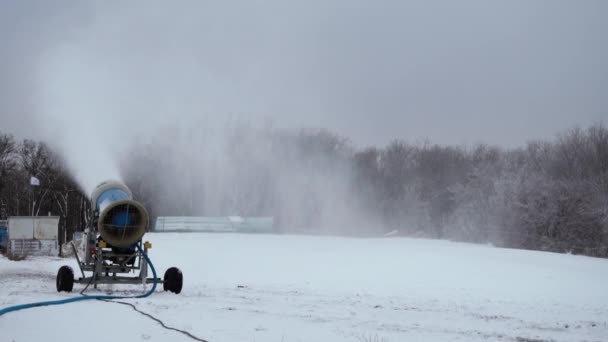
156,319
89,283
141,312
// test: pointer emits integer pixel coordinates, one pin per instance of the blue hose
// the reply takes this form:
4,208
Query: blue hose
76,299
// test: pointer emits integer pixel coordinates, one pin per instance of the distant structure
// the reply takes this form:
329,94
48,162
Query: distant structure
228,224
32,235
3,235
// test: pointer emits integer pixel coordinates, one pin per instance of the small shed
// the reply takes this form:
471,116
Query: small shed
33,235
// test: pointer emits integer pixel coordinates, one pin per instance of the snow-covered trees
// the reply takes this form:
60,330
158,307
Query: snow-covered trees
549,196
546,195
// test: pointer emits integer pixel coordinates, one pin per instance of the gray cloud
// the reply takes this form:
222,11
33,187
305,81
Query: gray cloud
28,29
453,72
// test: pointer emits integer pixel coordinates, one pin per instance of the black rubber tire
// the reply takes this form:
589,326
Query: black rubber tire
65,279
173,280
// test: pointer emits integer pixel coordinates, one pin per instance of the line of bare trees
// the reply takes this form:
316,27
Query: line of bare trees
56,193
550,195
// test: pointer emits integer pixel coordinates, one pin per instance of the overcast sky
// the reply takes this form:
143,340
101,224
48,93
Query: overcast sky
501,72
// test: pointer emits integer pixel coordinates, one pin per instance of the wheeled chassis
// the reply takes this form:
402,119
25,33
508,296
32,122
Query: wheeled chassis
102,262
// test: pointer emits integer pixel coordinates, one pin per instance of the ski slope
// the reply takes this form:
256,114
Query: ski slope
276,288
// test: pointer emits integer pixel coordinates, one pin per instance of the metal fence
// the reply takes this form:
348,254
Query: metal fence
229,224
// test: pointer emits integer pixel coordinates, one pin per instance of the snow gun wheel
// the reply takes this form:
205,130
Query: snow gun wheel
173,280
65,279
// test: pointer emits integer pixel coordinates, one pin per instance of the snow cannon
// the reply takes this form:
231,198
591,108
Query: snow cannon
121,220
113,244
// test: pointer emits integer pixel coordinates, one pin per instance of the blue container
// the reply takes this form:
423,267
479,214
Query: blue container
3,235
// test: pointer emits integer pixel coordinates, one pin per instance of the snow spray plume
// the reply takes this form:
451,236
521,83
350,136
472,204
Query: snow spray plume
127,99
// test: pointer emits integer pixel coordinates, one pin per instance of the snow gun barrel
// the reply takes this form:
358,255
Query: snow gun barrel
122,221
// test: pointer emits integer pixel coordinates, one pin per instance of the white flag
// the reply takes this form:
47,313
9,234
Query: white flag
34,181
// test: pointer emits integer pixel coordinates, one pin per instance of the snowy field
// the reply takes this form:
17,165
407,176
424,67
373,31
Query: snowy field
312,289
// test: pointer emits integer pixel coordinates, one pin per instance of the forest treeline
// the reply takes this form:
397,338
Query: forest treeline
548,195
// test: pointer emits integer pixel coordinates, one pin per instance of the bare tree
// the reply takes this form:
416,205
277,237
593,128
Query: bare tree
7,165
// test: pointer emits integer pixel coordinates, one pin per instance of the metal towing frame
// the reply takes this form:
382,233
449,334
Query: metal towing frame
105,264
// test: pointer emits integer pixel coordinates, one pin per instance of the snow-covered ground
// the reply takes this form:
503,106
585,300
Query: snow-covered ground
302,288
